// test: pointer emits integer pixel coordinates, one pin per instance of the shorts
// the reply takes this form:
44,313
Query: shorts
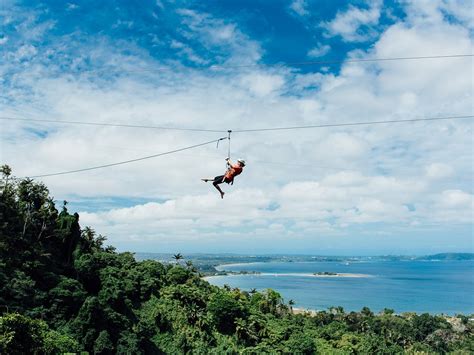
220,179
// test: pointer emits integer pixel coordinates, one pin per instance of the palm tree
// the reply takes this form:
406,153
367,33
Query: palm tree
177,257
6,171
291,303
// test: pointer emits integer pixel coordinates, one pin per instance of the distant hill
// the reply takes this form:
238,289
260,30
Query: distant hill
448,256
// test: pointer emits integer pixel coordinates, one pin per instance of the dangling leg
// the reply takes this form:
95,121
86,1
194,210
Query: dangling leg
216,185
216,181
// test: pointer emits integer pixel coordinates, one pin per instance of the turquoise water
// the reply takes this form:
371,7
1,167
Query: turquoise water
418,286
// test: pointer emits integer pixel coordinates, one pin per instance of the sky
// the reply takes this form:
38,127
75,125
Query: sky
402,188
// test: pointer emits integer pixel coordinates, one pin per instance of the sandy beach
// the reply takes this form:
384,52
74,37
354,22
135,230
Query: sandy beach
297,310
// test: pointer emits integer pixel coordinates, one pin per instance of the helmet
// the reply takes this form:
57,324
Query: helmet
241,161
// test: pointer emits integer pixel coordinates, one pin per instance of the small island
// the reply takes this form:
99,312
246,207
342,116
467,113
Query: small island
227,273
338,274
241,272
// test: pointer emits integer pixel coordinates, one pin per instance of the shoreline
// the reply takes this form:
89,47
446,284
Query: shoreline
335,275
293,282
296,274
220,266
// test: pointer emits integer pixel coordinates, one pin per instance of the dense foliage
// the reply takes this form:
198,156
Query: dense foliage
62,290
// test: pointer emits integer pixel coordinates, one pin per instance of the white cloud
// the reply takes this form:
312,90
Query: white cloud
299,7
343,146
355,24
439,171
25,52
219,34
187,52
262,84
457,198
346,198
319,51
435,11
224,33
461,10
72,6
450,207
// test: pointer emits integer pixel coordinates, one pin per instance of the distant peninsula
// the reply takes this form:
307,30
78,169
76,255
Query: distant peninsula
448,256
206,263
215,264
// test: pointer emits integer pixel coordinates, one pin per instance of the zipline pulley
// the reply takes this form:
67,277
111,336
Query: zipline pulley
228,138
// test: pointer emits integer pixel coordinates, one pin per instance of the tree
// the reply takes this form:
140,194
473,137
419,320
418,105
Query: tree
129,343
6,172
58,343
367,312
178,275
103,344
20,334
177,257
300,343
190,266
291,303
426,324
23,335
224,310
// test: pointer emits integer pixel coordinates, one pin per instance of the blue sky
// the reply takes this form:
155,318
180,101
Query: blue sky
404,188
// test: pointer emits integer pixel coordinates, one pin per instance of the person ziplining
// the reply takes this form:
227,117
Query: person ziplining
232,171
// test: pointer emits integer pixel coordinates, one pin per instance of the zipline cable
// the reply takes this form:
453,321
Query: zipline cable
302,63
350,124
253,130
129,161
238,131
361,60
86,123
243,130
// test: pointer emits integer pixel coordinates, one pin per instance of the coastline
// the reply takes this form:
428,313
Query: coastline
335,275
332,283
220,266
297,274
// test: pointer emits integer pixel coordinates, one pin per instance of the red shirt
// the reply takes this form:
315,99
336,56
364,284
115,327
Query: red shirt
233,171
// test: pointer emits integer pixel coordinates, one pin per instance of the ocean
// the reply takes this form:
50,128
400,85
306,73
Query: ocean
404,286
